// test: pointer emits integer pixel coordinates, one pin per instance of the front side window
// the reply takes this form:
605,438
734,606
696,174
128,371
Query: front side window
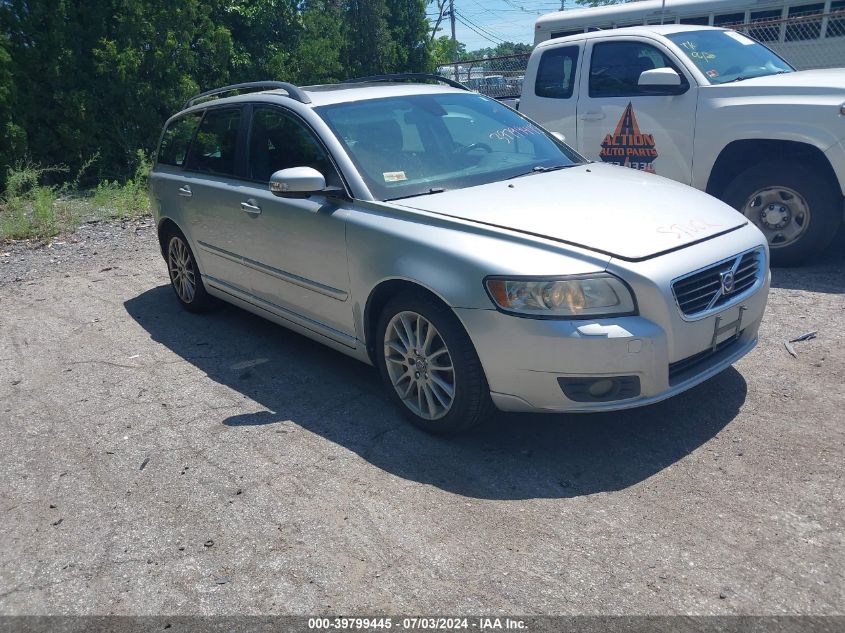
725,56
216,143
616,67
280,141
417,144
556,73
177,138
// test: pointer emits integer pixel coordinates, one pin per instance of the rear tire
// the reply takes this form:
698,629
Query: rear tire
418,338
185,276
797,208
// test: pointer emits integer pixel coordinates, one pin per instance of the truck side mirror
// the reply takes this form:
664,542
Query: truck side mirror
665,81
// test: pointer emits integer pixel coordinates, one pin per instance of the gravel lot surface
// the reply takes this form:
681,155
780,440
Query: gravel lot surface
155,461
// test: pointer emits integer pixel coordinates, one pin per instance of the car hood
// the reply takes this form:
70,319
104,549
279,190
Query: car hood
612,210
806,82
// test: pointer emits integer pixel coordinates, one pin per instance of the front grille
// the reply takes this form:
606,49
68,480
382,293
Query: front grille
702,290
684,367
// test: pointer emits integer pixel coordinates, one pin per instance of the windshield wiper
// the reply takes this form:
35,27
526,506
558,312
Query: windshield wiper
539,169
421,193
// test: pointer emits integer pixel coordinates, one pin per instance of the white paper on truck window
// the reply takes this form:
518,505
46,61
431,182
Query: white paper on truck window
394,176
739,37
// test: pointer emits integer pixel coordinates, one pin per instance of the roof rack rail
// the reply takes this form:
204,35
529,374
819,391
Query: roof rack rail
407,77
293,92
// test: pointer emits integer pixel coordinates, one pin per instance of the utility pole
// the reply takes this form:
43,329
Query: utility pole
452,19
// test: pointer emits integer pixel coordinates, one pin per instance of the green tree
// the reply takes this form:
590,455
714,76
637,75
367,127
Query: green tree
322,42
444,50
409,32
12,135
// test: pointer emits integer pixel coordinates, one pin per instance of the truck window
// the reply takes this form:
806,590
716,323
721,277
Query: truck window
558,34
616,67
176,139
556,73
214,149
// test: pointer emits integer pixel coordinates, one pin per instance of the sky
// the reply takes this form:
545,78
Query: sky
482,23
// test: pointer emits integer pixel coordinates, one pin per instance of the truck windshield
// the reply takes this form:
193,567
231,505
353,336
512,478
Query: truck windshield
725,56
417,144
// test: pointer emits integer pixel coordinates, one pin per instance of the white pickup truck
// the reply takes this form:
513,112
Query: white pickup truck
708,107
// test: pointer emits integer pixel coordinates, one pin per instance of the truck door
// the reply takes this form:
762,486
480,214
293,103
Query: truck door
624,123
549,94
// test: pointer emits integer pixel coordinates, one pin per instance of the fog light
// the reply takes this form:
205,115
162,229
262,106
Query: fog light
601,388
598,388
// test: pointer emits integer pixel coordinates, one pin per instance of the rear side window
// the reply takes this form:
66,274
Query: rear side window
556,73
616,67
176,139
216,143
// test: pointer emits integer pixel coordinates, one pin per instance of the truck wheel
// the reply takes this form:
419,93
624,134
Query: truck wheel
429,365
797,208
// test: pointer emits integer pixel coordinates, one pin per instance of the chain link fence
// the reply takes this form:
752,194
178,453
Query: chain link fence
493,76
805,39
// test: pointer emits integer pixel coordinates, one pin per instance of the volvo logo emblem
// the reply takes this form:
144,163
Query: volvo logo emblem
727,279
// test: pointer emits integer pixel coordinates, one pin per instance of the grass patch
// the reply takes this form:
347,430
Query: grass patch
30,209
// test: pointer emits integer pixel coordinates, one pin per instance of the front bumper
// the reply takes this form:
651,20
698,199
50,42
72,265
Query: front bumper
524,359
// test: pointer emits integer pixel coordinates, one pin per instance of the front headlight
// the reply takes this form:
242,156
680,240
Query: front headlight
592,296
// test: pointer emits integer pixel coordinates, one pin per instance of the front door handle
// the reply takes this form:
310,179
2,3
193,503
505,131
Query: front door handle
250,207
592,116
185,191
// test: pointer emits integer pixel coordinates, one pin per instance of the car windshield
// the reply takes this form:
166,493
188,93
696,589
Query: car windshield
725,56
418,144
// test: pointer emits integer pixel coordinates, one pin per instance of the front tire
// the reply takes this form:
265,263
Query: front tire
429,365
185,277
796,208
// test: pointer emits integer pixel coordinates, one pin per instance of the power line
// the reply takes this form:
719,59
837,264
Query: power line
481,35
481,28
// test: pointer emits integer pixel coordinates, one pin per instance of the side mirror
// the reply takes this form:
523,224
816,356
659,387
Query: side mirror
662,81
297,182
659,78
559,137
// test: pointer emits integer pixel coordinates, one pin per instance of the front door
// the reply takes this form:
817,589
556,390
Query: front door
622,123
296,248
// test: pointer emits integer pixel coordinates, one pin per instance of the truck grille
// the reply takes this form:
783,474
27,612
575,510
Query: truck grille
719,284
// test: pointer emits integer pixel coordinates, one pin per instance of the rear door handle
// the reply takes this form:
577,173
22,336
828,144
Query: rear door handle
592,116
250,207
185,191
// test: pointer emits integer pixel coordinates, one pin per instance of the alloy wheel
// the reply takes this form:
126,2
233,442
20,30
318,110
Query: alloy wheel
182,270
419,365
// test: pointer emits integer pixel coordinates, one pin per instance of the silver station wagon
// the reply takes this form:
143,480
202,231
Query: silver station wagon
469,254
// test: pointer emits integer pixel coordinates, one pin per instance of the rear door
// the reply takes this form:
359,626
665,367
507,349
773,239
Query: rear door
210,186
550,90
620,122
